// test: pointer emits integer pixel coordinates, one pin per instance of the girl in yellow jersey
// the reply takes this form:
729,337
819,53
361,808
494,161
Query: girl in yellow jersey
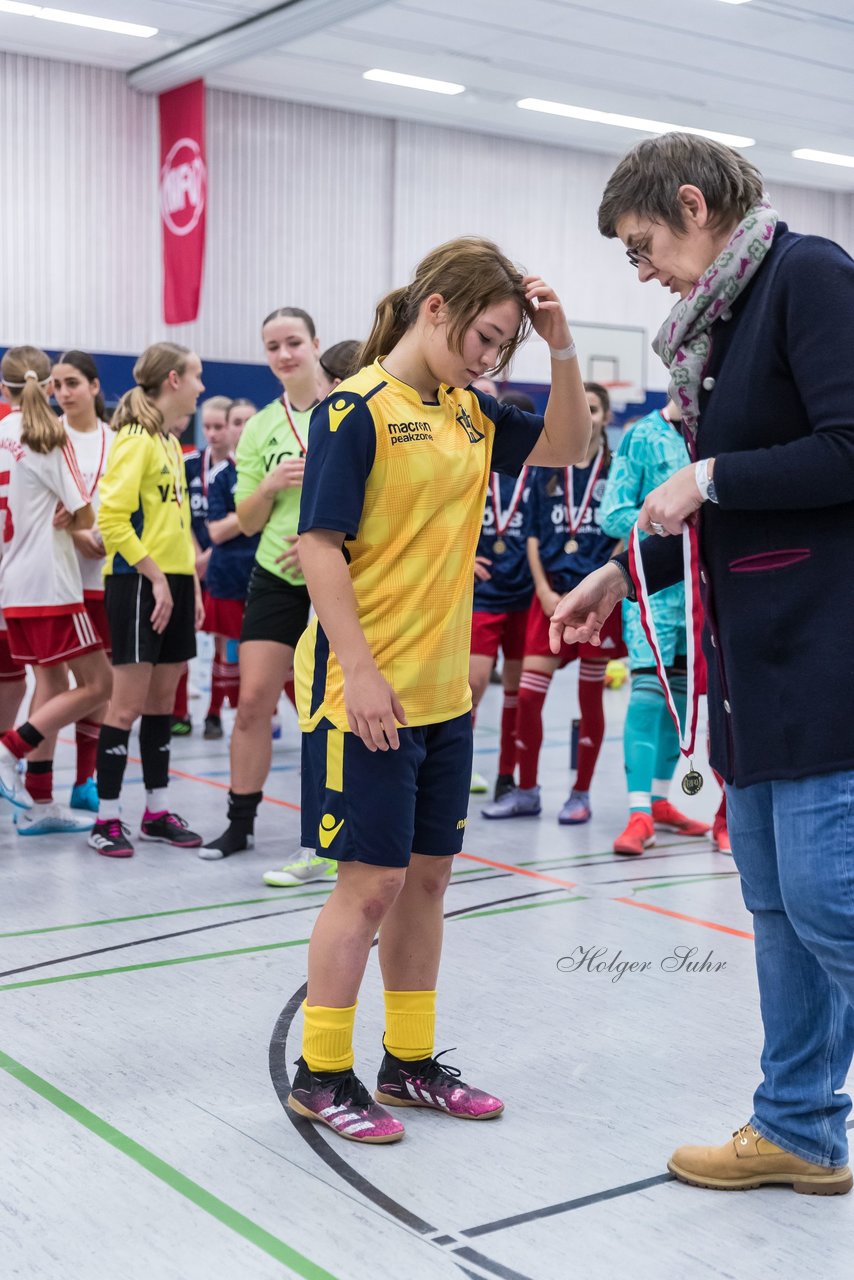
393,493
152,598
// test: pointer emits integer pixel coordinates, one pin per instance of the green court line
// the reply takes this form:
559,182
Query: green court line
302,942
166,1173
151,964
685,883
175,911
281,896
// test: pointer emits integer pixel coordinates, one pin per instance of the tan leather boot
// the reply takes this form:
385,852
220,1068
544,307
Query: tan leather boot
748,1160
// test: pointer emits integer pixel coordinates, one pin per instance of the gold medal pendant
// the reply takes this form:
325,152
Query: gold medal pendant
692,783
499,546
570,547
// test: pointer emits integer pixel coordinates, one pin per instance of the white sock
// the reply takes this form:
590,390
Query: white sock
157,801
110,811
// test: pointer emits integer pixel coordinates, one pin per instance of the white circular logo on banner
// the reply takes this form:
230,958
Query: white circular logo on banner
183,187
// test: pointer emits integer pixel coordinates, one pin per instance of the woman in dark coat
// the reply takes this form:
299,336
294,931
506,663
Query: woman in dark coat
759,349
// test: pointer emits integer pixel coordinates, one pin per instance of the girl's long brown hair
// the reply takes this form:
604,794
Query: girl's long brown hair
470,274
26,372
149,373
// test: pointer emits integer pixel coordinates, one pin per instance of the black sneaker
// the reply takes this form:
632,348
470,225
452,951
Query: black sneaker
111,838
340,1100
231,841
503,783
182,726
429,1083
168,828
213,728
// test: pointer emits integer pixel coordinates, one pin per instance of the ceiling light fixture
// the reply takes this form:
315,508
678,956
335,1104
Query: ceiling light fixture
629,122
413,82
76,19
824,157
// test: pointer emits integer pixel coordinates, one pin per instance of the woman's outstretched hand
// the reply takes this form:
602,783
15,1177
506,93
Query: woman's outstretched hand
580,616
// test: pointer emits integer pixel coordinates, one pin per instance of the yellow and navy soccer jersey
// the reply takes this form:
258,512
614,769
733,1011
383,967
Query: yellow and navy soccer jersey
405,482
144,509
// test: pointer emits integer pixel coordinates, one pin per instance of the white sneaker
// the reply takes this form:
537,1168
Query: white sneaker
305,868
10,780
479,785
51,819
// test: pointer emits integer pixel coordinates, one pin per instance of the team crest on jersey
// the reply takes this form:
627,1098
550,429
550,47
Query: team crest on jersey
599,490
464,419
339,407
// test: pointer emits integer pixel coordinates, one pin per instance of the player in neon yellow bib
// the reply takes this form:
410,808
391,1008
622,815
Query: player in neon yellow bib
270,463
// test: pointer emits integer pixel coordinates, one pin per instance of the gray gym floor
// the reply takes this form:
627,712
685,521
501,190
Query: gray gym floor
143,1138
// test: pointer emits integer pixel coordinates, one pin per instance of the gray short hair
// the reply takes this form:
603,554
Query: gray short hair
647,181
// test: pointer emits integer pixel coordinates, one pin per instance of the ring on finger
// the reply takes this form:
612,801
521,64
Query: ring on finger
656,527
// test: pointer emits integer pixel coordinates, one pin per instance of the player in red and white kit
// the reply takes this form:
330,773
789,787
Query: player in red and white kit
77,391
42,497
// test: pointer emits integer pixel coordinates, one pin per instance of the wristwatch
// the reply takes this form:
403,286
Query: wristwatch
705,483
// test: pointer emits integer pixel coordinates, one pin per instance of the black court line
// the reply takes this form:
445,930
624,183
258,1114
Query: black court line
625,860
315,1138
567,1206
494,1268
309,1132
202,928
160,937
686,878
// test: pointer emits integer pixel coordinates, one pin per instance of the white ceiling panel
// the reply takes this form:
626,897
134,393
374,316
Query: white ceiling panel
780,72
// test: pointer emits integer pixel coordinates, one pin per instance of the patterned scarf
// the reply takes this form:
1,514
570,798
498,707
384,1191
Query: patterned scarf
683,341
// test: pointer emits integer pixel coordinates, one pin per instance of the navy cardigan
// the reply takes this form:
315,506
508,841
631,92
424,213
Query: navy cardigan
777,551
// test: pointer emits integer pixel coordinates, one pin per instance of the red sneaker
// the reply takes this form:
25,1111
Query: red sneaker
666,815
638,835
719,836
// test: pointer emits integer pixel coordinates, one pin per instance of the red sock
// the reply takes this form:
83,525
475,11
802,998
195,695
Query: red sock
180,711
218,690
291,693
591,686
39,781
86,734
533,688
507,753
21,741
231,682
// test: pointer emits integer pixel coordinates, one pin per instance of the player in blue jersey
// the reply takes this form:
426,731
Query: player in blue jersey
229,566
565,543
502,595
198,464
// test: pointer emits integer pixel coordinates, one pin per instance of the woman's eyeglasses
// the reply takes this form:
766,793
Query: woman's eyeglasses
640,254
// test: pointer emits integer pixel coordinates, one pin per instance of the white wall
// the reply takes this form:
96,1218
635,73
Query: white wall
319,208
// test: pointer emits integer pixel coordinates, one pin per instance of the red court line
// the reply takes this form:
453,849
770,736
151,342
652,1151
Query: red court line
677,915
490,862
194,777
519,871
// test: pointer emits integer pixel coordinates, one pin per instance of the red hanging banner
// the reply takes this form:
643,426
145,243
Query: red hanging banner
183,199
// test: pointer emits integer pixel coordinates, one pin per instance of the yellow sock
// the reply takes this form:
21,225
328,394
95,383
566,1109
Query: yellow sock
410,1024
327,1037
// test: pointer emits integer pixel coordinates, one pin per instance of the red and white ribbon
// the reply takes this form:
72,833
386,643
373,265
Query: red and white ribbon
693,631
293,426
575,515
502,519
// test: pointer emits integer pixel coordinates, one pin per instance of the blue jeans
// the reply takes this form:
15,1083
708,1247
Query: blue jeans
793,844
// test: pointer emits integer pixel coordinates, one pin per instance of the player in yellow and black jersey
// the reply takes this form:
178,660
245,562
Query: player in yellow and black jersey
152,595
393,495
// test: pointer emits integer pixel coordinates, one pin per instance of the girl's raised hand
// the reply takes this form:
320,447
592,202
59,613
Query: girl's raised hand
546,311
